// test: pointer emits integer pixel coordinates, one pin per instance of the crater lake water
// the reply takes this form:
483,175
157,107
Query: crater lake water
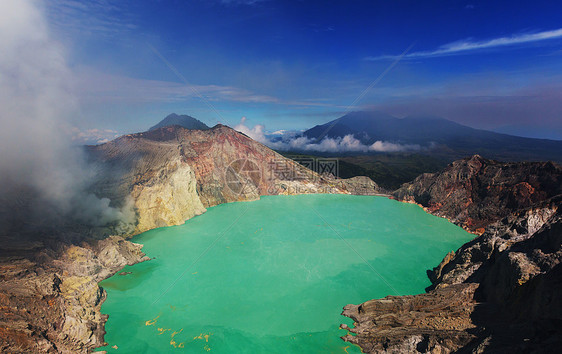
271,276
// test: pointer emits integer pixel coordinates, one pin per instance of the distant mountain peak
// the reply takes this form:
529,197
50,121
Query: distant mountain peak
435,135
182,120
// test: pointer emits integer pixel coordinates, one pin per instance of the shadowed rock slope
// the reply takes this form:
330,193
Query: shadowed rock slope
499,293
50,299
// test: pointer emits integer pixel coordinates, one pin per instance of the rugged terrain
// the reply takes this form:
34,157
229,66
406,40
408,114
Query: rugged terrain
52,303
475,192
500,292
50,299
171,174
486,294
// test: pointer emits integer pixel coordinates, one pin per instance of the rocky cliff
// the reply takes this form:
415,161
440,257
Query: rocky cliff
500,292
172,174
50,299
52,303
475,192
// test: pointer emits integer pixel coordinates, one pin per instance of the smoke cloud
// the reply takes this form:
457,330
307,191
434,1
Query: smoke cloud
40,173
295,142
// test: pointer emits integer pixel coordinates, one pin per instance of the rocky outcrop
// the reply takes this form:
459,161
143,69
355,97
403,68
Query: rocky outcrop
464,264
360,185
476,192
500,292
408,324
52,304
169,198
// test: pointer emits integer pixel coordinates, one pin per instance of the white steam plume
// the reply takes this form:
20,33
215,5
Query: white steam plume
35,105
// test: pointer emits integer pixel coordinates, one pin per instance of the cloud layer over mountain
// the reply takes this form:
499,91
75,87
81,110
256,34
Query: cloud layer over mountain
296,142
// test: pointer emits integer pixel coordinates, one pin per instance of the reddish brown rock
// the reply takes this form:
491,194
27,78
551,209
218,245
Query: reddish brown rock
475,192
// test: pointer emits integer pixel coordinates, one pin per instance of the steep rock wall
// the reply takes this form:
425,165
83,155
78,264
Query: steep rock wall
169,198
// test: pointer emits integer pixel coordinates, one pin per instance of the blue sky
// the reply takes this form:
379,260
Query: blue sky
295,64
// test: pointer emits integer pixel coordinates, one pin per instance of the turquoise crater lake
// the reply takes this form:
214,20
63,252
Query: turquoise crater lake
271,276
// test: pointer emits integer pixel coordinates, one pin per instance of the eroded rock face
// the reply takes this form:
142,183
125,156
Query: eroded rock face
476,192
360,185
438,322
169,199
53,304
499,293
463,265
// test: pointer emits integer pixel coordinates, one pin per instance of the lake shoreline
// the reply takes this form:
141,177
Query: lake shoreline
341,202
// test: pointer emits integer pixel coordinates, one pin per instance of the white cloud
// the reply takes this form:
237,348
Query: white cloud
91,136
95,87
346,144
385,146
257,132
334,145
468,45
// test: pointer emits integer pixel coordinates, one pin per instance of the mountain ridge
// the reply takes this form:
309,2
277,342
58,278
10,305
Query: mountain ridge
437,136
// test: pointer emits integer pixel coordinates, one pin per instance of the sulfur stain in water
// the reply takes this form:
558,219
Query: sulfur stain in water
173,343
163,330
151,322
203,336
176,308
176,332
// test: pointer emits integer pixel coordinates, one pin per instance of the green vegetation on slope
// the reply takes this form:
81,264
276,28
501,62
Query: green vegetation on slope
388,170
